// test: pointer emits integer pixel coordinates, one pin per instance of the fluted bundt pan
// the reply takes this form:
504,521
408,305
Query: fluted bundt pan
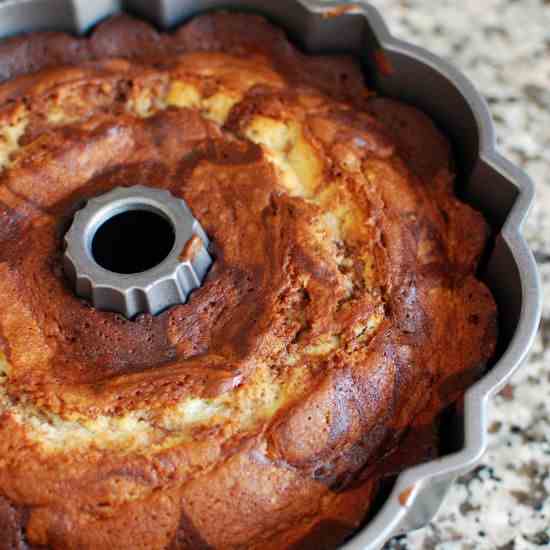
487,181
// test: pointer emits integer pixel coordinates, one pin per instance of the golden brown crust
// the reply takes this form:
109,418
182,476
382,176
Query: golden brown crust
342,311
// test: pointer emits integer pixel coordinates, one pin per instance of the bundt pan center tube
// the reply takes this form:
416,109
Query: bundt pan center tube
486,181
136,250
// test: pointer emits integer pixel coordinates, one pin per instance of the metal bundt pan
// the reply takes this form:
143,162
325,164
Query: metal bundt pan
486,180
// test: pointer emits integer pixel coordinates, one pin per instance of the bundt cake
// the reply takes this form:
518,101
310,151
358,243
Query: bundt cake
340,316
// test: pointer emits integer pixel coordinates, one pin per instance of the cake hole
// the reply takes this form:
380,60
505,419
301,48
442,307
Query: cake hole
133,241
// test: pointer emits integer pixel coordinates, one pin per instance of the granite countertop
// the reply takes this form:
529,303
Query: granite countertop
504,47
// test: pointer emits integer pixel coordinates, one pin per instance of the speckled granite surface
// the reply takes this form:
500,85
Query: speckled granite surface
504,47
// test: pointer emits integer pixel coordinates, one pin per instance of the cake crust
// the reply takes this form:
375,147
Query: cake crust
342,313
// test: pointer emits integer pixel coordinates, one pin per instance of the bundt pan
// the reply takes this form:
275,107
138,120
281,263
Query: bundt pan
486,180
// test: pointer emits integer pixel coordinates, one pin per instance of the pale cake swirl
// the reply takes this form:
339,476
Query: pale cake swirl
342,312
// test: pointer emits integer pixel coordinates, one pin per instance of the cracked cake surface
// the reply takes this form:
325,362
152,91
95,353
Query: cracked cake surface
342,313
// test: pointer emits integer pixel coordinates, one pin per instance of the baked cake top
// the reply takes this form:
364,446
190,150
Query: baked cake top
342,307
